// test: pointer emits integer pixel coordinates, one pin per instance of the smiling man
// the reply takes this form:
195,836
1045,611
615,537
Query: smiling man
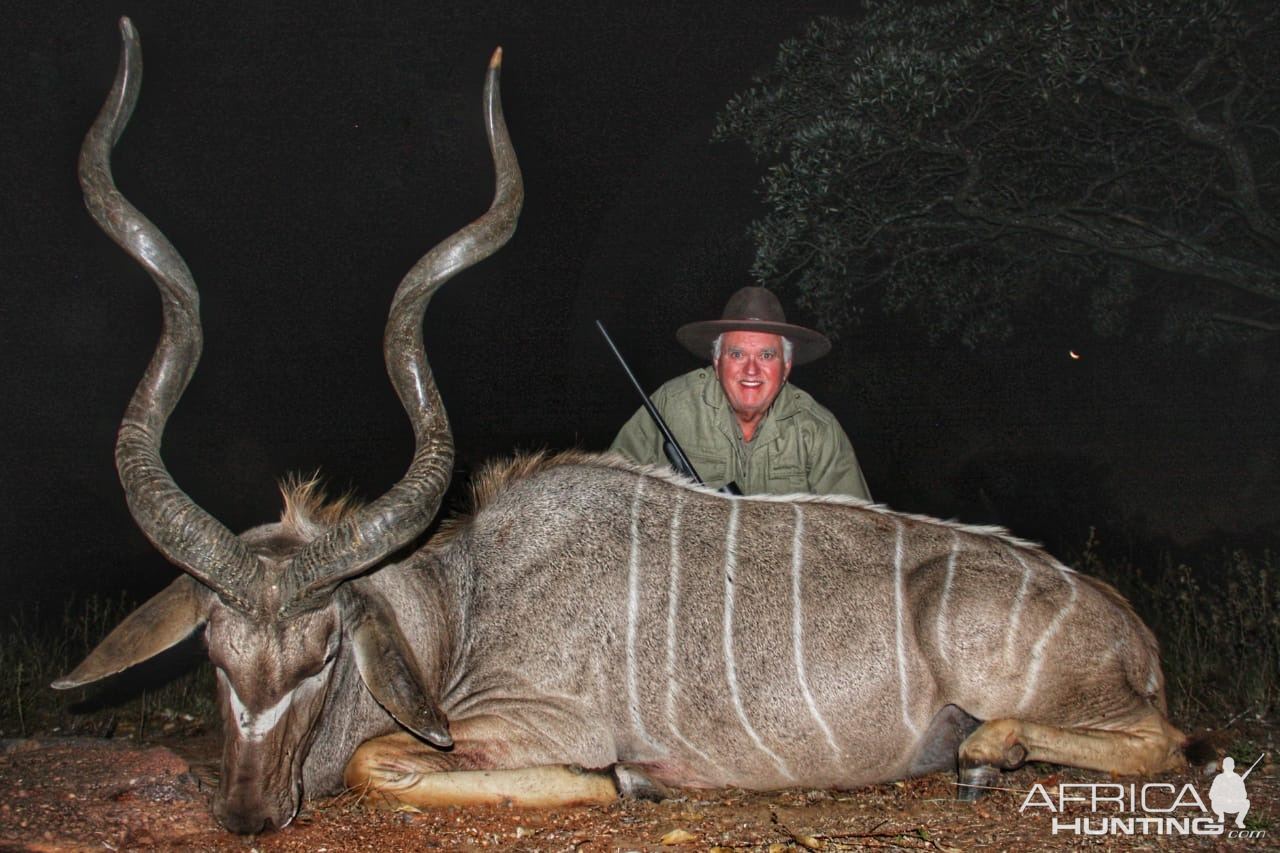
739,421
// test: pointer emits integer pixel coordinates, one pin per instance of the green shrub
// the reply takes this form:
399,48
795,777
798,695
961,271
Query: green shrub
1217,618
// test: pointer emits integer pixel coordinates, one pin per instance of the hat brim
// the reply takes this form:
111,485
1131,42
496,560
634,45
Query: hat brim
807,345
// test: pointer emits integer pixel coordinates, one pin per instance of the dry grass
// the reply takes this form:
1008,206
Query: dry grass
36,648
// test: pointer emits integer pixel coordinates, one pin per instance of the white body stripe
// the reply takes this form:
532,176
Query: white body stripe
900,627
1037,650
673,614
633,616
1153,679
944,602
730,567
1015,614
797,627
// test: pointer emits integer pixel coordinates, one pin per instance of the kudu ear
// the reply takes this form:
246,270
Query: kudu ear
165,620
386,664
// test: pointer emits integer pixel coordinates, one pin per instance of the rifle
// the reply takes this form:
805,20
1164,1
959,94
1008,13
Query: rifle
671,447
1251,766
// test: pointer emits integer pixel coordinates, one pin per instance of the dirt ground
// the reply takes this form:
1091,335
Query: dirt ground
82,794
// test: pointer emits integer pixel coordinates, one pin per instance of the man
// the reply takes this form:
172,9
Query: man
739,421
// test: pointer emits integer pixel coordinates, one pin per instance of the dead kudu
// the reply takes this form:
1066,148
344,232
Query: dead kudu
592,614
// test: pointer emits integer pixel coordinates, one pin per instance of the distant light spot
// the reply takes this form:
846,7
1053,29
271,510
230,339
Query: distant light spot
1075,356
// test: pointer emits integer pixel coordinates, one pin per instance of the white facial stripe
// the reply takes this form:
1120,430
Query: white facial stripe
255,727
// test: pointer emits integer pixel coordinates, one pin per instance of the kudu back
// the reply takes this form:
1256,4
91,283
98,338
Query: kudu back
588,613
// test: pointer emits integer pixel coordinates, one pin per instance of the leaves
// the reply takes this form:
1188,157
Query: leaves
679,836
965,162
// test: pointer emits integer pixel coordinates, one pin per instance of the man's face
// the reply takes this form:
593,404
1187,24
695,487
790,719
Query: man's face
751,371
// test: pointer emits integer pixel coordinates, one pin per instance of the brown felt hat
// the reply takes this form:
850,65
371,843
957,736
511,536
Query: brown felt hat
753,309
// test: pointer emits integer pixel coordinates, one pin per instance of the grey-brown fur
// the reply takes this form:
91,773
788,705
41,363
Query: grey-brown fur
544,579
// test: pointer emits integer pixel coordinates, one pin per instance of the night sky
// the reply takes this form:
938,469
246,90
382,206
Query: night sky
302,156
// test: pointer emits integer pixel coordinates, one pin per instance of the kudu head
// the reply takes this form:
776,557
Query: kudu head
272,601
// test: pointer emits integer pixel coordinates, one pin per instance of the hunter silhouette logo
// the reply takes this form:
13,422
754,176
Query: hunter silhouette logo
1227,794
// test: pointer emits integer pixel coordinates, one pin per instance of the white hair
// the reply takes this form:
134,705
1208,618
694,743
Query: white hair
787,348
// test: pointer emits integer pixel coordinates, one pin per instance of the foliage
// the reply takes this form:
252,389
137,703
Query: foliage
975,162
35,650
1218,622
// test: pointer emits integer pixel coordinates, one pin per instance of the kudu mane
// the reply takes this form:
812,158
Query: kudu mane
308,511
497,476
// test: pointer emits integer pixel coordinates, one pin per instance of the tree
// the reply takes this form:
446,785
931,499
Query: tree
971,161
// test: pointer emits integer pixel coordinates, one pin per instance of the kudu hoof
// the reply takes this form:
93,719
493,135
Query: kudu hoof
635,785
976,782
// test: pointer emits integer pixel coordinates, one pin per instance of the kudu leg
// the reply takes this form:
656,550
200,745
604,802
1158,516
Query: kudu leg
1151,745
399,769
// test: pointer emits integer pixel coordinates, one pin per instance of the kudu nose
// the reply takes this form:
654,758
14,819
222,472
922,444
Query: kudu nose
251,818
248,824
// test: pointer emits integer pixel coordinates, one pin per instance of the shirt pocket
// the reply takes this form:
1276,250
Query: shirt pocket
712,467
786,478
787,471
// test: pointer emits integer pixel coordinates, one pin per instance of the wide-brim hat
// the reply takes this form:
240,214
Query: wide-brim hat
753,309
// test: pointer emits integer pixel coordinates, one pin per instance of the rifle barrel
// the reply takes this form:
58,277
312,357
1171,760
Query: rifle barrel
1251,766
672,447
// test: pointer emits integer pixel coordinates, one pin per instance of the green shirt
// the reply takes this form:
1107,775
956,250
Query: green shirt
799,447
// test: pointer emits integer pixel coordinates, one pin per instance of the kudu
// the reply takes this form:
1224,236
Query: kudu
593,614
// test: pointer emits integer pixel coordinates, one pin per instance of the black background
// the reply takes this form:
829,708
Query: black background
302,156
